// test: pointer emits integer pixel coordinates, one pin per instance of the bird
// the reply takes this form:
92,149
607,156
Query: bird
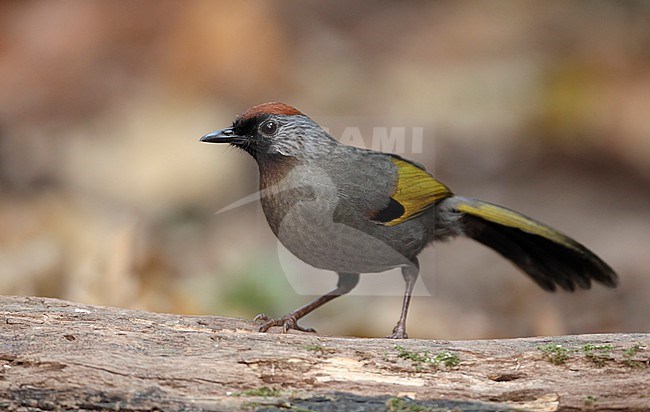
352,211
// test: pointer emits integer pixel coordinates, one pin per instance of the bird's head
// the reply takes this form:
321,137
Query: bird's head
274,129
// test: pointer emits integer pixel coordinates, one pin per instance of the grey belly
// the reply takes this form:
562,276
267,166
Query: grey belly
311,233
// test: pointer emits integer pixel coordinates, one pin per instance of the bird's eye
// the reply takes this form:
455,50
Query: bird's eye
269,128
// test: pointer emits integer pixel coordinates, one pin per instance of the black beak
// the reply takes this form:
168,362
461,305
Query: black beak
220,136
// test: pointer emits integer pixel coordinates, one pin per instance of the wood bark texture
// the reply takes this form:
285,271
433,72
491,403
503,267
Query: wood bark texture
58,355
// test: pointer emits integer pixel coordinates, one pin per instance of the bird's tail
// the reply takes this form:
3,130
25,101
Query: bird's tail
548,256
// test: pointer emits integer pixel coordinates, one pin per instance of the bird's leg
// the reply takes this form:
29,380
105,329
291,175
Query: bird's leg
410,274
347,281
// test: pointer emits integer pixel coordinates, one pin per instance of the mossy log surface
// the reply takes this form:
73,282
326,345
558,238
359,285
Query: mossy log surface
57,355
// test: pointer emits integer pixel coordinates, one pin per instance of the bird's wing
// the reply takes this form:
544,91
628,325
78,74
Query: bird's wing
415,191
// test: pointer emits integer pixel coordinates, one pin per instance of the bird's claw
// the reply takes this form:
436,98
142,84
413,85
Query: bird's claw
261,317
287,322
399,332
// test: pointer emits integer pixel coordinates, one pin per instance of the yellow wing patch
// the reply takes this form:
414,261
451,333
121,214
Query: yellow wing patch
416,190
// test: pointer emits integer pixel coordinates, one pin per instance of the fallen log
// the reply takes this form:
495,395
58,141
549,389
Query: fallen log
62,355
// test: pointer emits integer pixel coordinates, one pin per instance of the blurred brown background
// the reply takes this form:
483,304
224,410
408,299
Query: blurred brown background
106,196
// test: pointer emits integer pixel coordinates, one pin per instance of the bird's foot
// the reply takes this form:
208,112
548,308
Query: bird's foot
399,332
287,322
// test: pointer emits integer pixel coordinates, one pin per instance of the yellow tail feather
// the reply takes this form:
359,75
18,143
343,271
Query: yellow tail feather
507,217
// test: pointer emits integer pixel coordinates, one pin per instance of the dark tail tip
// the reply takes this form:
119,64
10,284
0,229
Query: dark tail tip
568,265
